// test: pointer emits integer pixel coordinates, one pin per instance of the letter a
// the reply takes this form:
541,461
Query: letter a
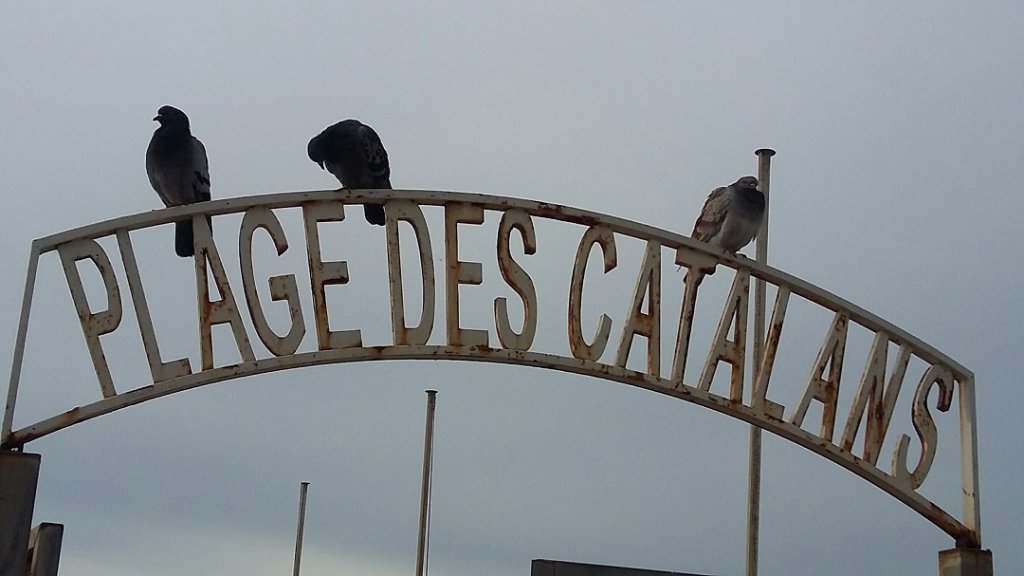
730,351
223,311
648,284
826,391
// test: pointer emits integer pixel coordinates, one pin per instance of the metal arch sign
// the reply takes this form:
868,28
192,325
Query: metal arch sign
746,399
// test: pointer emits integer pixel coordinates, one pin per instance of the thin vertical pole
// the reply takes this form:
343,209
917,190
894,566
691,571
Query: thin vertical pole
302,521
764,156
428,446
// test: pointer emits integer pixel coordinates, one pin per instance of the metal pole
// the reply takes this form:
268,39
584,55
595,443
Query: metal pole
302,521
764,156
428,446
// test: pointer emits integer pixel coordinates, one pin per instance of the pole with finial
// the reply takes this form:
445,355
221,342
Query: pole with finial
428,447
764,158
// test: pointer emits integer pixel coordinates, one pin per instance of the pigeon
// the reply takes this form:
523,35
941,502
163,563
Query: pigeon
178,170
731,216
353,152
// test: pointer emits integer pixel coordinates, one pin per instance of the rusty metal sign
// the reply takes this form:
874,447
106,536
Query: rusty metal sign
852,437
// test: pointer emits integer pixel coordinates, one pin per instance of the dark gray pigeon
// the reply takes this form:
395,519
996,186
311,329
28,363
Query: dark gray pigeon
353,152
731,216
178,170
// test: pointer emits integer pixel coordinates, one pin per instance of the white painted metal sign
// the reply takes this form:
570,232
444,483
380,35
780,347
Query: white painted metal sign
852,436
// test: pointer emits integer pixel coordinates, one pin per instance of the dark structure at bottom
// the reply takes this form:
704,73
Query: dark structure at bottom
559,568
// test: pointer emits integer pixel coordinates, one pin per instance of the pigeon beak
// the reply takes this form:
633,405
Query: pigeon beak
321,165
156,118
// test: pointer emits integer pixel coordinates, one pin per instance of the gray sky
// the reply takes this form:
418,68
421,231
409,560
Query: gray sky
896,186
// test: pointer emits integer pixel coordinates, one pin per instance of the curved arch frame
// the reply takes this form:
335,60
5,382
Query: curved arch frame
966,532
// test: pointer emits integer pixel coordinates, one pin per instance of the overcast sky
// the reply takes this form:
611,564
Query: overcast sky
897,185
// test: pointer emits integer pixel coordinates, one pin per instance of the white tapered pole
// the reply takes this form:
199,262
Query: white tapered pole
298,533
428,446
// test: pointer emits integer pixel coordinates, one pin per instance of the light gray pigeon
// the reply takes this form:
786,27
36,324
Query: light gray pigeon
353,152
731,216
178,170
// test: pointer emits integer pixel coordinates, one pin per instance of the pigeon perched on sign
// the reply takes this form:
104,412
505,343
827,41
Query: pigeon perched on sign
178,170
353,152
731,216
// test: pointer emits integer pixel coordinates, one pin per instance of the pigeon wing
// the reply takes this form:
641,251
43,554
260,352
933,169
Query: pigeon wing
712,215
151,169
157,172
376,157
201,172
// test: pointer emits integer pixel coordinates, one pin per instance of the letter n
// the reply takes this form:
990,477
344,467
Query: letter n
874,397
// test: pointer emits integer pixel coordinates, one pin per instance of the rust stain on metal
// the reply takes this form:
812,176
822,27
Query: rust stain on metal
71,416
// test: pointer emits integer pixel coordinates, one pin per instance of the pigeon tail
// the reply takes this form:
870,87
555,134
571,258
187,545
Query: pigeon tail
374,213
183,245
